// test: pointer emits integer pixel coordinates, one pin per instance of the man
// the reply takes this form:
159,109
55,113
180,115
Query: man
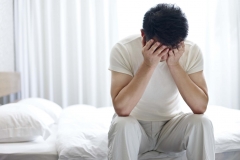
149,73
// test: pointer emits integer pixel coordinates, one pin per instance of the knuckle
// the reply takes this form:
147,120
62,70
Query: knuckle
149,43
163,47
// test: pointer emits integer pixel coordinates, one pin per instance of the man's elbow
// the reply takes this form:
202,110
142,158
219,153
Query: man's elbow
122,113
121,110
200,109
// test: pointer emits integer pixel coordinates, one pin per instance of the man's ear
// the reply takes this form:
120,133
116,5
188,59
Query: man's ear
143,38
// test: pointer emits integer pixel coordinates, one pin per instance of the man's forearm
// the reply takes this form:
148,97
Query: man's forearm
194,96
130,95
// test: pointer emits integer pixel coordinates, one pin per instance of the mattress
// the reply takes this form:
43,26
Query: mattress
34,150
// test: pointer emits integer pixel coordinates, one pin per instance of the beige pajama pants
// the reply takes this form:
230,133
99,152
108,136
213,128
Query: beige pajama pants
129,138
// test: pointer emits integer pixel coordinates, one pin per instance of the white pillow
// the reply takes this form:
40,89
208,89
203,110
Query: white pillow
51,108
20,122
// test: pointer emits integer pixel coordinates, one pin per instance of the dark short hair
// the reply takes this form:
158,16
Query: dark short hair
167,23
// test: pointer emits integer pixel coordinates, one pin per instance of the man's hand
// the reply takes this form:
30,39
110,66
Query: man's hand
152,52
175,54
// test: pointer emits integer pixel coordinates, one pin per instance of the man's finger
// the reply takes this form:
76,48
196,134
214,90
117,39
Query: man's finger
175,51
149,44
154,47
164,52
182,45
171,53
181,48
160,49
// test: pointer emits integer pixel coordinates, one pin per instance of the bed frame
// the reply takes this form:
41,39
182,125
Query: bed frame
9,83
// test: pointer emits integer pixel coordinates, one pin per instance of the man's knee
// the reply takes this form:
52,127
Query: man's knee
122,123
200,120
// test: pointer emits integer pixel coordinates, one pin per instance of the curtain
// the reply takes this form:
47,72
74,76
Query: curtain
222,52
63,47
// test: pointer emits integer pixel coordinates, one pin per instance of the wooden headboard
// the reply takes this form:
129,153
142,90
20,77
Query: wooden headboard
9,83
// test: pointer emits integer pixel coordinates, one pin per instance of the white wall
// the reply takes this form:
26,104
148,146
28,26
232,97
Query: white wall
6,36
7,63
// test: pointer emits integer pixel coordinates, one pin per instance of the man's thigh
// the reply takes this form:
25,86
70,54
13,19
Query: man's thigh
178,131
127,132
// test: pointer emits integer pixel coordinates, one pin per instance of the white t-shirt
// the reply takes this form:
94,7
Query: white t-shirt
161,99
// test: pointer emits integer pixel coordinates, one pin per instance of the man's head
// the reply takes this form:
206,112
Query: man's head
165,23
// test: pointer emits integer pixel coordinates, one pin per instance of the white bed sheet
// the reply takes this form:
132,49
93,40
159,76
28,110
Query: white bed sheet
34,150
83,135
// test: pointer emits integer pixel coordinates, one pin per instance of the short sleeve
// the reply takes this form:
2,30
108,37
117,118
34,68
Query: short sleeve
195,60
120,60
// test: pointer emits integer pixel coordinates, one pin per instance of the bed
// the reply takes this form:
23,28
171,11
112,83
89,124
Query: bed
39,149
34,150
81,133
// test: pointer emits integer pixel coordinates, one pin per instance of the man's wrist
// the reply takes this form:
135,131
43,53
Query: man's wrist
148,66
174,66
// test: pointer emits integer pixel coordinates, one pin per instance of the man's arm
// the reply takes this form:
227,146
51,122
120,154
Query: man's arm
193,87
126,91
